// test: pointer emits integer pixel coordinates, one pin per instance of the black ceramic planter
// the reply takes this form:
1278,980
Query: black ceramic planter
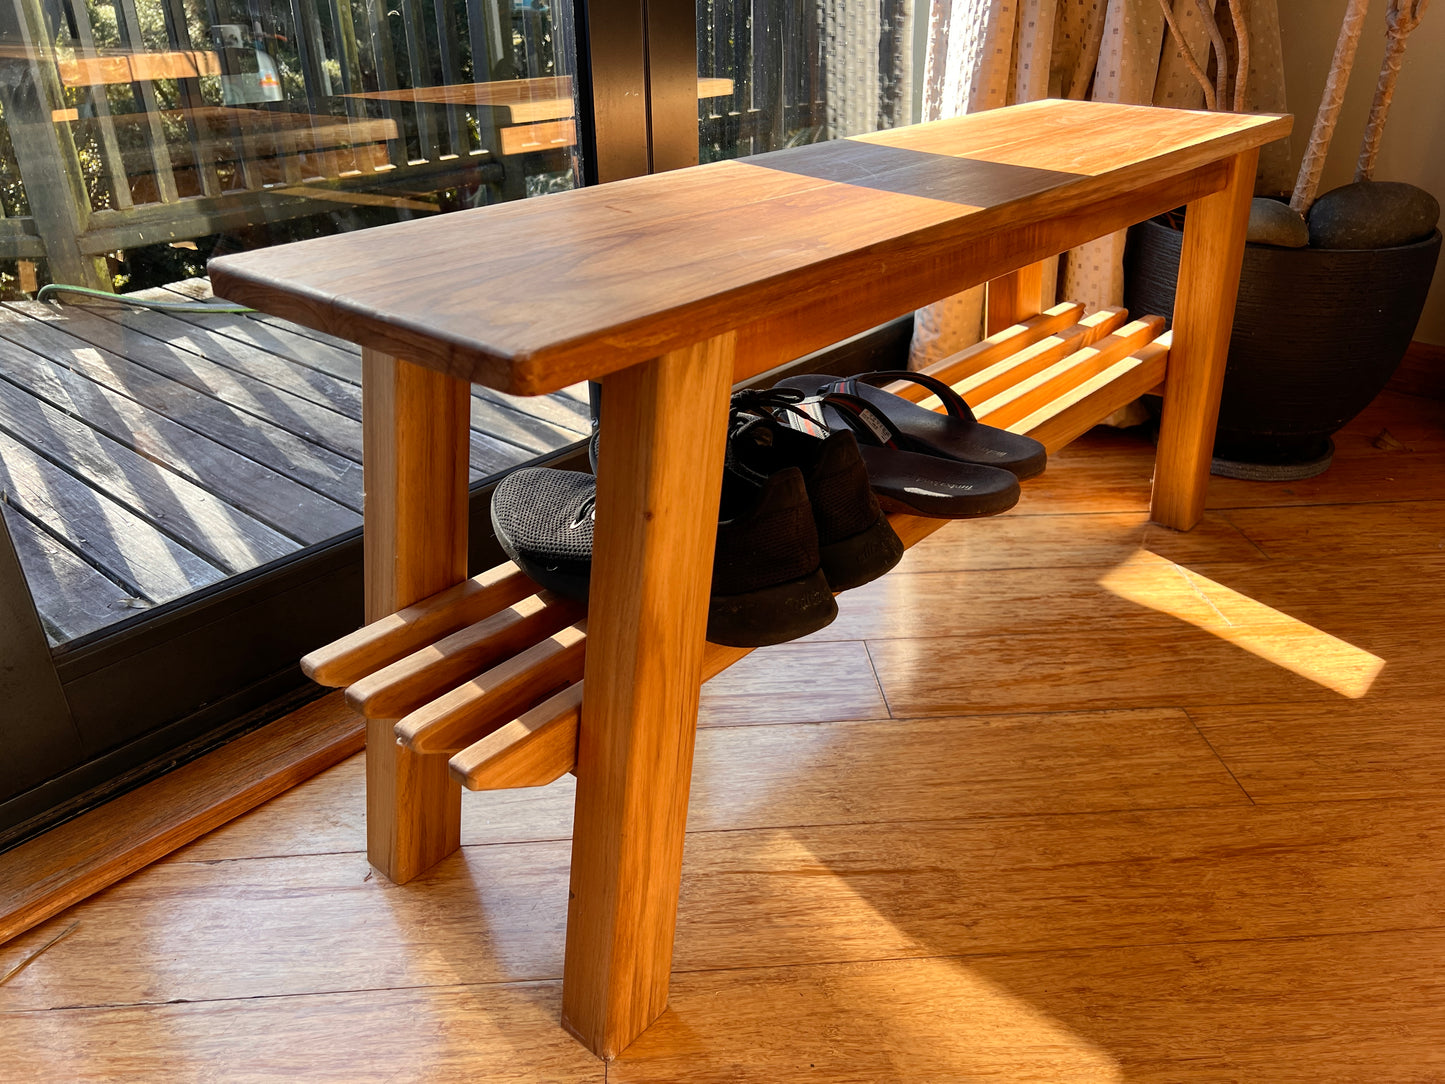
1317,334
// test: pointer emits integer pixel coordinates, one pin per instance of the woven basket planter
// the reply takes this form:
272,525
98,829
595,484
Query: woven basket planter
1317,335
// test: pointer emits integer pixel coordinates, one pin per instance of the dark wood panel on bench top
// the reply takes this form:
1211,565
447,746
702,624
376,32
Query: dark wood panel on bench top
585,282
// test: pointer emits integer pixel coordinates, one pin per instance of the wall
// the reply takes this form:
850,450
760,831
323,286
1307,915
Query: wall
1414,144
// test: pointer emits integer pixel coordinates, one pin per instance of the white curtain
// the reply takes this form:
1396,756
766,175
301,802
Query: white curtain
983,54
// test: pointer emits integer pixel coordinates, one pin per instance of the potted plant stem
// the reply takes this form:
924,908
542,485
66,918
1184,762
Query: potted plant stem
1330,291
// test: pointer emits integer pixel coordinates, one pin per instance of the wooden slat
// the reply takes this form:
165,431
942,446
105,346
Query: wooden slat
534,749
470,711
542,136
994,348
135,67
437,669
982,385
151,124
1037,389
915,213
541,744
269,495
100,102
1073,414
199,289
316,424
383,642
538,424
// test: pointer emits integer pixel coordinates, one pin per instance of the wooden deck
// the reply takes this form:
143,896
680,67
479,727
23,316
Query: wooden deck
145,455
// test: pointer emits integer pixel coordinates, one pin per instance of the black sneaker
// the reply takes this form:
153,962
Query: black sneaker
767,584
856,543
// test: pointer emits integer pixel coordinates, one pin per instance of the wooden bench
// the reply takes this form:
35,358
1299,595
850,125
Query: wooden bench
670,288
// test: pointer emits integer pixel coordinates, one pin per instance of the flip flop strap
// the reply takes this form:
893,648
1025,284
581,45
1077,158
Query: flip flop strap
866,421
951,400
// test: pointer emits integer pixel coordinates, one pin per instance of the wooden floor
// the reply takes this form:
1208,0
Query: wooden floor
1065,798
144,455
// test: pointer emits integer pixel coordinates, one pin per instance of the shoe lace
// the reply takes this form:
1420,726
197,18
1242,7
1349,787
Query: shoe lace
772,402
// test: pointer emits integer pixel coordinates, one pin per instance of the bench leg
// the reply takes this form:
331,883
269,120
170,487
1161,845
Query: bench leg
1203,315
415,433
661,453
1013,297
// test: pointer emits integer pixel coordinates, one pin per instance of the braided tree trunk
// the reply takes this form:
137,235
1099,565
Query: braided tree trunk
1308,182
1401,18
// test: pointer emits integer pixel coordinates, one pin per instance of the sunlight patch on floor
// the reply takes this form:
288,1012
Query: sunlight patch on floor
1150,580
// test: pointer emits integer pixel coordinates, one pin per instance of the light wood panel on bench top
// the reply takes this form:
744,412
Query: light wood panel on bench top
592,280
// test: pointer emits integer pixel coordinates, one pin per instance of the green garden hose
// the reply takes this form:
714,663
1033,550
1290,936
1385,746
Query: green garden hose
129,299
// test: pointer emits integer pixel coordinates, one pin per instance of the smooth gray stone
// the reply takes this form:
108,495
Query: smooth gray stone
1373,214
1274,223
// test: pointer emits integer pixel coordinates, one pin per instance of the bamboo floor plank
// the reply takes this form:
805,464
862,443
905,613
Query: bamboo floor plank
1076,895
1083,540
1103,667
1352,1008
323,924
44,875
1360,749
767,776
1344,532
481,1033
272,497
1147,591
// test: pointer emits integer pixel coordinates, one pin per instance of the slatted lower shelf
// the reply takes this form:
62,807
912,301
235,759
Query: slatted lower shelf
489,672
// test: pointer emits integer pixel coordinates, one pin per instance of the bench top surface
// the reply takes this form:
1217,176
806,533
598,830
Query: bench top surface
534,295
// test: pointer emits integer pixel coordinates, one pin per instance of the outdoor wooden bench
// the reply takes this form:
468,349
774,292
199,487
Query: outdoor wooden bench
669,288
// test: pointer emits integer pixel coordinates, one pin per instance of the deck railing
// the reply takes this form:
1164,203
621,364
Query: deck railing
133,122
138,122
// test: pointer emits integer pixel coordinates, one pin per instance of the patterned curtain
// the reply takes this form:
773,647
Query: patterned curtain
983,54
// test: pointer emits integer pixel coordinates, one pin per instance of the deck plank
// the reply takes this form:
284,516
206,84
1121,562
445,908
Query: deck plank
232,445
130,549
269,495
318,424
566,410
323,470
251,382
225,536
199,289
71,597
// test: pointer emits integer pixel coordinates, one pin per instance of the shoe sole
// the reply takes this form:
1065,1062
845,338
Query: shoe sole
862,558
772,615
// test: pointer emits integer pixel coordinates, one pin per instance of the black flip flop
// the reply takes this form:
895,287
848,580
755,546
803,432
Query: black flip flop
955,434
906,481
